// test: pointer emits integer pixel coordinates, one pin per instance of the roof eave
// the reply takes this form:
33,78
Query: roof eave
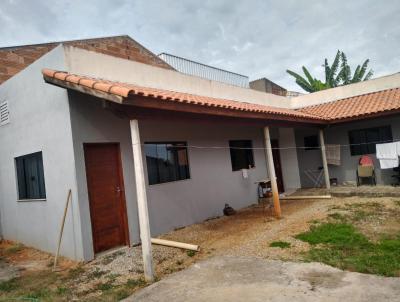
157,103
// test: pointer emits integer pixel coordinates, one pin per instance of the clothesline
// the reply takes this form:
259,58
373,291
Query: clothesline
273,148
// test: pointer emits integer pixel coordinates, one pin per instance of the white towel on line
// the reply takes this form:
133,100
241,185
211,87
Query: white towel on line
389,163
387,151
333,154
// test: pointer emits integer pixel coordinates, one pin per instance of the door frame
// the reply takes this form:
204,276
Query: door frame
123,214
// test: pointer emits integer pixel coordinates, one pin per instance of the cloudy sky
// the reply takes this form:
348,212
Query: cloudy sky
253,37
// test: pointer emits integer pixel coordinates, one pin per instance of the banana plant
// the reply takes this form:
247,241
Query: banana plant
309,83
334,76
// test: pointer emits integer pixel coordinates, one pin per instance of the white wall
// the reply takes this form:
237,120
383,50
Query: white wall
40,121
83,62
333,94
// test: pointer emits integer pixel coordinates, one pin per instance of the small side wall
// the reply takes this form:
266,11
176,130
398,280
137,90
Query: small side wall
311,159
174,204
39,121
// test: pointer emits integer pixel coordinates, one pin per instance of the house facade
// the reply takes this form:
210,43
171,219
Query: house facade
69,126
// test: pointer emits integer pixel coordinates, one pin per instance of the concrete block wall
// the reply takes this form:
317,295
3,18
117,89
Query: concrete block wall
39,121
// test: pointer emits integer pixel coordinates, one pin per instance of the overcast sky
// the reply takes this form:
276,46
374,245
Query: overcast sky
255,38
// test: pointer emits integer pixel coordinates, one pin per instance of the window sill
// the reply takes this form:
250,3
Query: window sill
31,200
169,182
240,170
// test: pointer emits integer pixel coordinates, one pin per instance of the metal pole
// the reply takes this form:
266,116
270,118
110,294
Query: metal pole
271,169
324,161
143,212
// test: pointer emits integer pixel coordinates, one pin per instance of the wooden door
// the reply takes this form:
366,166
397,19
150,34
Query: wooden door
106,196
277,164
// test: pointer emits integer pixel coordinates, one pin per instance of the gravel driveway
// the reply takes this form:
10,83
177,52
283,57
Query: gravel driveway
253,279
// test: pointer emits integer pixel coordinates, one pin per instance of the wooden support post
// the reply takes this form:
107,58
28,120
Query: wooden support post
271,170
324,161
144,224
69,196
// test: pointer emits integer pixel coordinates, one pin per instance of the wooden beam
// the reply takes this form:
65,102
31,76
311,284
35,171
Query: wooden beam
157,103
140,113
143,212
271,170
324,161
306,197
86,90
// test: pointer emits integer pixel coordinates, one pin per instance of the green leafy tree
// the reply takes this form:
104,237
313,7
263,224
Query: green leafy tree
337,74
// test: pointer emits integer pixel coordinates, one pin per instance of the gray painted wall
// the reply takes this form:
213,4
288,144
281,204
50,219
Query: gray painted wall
311,159
174,204
39,121
289,161
93,124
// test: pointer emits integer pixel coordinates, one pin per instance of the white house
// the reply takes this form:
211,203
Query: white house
68,117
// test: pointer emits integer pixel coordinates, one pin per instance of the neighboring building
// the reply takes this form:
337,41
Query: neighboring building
205,71
268,86
68,116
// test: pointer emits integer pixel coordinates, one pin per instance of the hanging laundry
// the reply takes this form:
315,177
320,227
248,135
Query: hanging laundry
386,151
388,155
333,154
389,163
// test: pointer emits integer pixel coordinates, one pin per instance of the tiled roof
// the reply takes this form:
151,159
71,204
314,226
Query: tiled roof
15,59
357,107
125,90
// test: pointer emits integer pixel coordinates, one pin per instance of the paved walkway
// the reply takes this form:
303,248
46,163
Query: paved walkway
252,279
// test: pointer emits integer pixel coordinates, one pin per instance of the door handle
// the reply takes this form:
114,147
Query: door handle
118,190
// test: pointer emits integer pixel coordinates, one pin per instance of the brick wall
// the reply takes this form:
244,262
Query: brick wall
15,59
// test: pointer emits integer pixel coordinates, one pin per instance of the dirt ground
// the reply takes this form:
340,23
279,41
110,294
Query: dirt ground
249,233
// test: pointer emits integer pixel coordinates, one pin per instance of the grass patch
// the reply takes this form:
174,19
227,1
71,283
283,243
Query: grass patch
396,202
280,244
132,283
76,272
40,286
337,216
342,246
105,286
190,253
9,285
97,273
13,249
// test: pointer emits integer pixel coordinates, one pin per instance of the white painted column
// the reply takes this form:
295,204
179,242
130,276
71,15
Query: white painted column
271,170
324,161
145,235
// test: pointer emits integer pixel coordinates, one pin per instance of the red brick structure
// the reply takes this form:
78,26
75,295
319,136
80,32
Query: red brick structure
15,59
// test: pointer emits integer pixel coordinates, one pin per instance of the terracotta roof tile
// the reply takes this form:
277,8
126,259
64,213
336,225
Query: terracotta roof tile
358,106
124,90
362,106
